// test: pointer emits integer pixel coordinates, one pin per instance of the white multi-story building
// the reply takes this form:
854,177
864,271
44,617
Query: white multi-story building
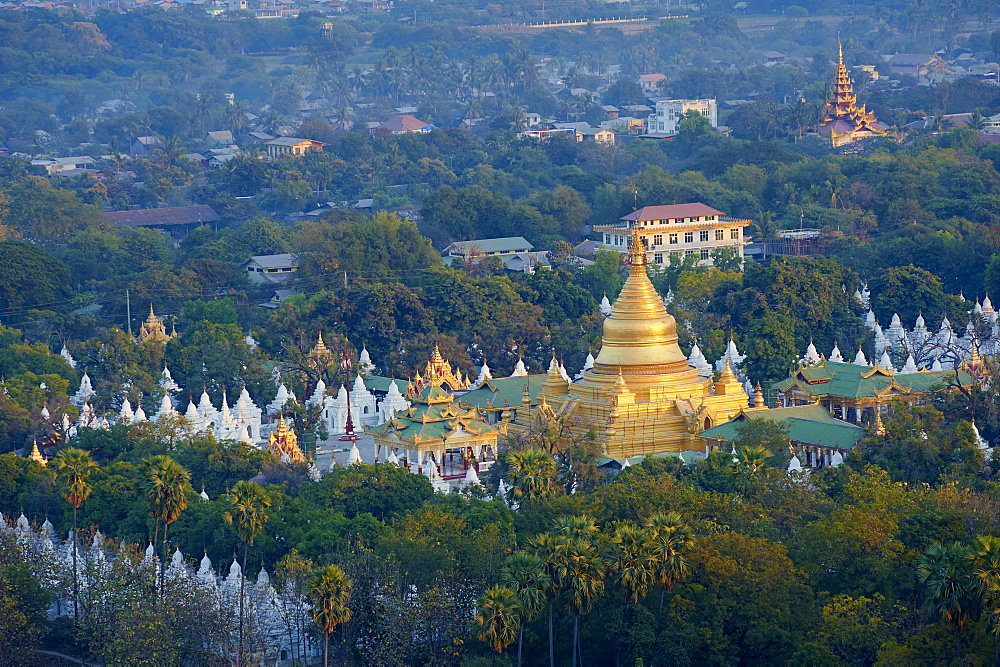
676,229
669,113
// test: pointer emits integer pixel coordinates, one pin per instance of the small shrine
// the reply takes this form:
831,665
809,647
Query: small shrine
438,372
320,357
284,444
153,329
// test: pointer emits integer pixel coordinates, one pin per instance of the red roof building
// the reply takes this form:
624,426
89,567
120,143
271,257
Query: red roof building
401,124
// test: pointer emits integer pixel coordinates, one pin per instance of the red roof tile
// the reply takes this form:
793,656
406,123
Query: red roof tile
671,212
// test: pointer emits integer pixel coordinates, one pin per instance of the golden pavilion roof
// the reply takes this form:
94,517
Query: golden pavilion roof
153,329
438,372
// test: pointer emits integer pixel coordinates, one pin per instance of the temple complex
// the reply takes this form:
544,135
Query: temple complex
845,121
153,329
641,396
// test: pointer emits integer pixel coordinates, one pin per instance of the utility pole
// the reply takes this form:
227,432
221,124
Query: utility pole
128,312
345,279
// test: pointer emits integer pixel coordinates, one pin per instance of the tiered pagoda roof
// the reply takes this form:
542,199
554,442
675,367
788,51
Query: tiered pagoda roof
845,121
434,416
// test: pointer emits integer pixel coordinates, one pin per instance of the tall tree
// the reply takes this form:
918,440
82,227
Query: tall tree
525,574
167,486
330,594
950,589
73,468
582,578
248,503
986,576
670,536
498,618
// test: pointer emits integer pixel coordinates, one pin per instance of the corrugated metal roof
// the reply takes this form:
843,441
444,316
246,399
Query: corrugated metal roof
156,217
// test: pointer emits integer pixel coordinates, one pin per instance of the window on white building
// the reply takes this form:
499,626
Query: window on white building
734,234
720,235
673,239
658,239
688,237
658,258
703,235
704,253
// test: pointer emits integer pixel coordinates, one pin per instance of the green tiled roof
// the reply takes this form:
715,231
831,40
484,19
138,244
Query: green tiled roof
425,421
381,384
807,424
496,391
830,378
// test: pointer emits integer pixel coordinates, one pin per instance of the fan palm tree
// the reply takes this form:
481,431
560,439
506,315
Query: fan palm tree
944,570
167,486
247,512
530,473
73,467
498,618
582,578
633,560
986,576
525,574
330,594
670,536
550,550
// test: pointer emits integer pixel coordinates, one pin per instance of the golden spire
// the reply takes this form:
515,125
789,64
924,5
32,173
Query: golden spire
639,335
758,397
36,455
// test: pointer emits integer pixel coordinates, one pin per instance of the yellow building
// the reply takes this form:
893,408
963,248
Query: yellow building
641,397
845,121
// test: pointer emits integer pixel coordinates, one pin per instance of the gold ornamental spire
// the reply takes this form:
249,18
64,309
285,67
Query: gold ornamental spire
640,337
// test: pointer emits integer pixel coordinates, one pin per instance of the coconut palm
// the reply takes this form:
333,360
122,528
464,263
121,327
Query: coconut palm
247,512
670,536
944,570
986,576
73,467
498,618
167,487
530,473
330,594
525,574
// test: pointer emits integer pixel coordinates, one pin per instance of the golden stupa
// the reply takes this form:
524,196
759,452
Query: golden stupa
284,443
641,397
154,329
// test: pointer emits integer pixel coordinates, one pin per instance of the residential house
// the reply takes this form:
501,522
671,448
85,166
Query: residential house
611,110
401,124
277,298
502,247
220,137
773,57
271,268
669,114
584,132
144,145
60,165
259,135
625,125
291,146
924,66
680,230
532,119
650,82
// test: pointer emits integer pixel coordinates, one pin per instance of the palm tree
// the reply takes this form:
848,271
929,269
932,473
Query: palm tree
670,535
633,560
330,594
525,574
73,467
498,618
248,514
530,473
550,549
944,569
167,486
582,578
986,576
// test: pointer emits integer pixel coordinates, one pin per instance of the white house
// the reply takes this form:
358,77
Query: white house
669,113
271,268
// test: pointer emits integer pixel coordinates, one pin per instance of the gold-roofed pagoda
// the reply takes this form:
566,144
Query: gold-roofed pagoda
284,444
436,430
641,397
153,329
320,356
437,373
845,121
